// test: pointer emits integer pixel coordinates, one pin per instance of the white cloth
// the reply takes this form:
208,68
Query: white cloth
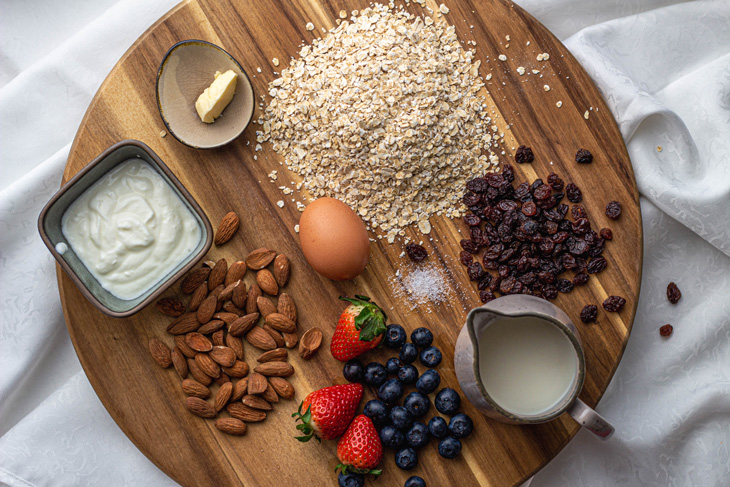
663,67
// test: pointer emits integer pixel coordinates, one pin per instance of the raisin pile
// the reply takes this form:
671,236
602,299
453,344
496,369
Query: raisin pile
521,234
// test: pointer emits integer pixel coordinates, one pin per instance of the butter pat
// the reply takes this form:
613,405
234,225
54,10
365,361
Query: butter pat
217,96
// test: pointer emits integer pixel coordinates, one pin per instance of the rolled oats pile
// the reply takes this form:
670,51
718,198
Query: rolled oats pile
384,114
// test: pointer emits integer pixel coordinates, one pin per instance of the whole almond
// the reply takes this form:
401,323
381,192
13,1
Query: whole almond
227,228
207,365
274,369
240,389
222,379
223,356
265,306
270,394
282,269
236,344
160,352
206,310
276,355
218,338
239,295
267,283
200,293
194,388
287,307
240,411
256,402
260,258
228,318
227,292
194,279
236,271
260,339
237,370
170,307
217,291
282,387
310,342
275,334
200,407
179,362
290,339
243,324
222,396
198,342
281,323
183,346
229,307
231,426
256,383
217,274
211,327
184,324
197,373
251,297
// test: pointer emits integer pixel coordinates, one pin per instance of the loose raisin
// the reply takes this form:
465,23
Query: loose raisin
583,156
666,330
606,233
465,257
508,172
484,281
529,208
555,181
486,296
589,313
613,210
477,185
614,304
596,265
416,252
577,212
564,285
472,220
673,293
469,245
573,193
475,271
524,154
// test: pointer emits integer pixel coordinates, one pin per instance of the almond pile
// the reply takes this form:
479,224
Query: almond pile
209,334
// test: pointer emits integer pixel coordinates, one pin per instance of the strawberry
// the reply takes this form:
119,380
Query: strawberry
359,449
360,328
328,411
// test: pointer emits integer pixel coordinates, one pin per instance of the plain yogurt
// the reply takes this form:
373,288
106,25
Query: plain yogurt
130,229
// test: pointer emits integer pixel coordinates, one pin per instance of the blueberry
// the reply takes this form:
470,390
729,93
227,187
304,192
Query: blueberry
392,365
418,436
449,447
406,458
401,418
415,481
417,404
447,401
350,480
353,371
460,425
375,374
428,382
377,411
395,336
391,437
408,353
422,337
430,356
408,374
391,391
438,427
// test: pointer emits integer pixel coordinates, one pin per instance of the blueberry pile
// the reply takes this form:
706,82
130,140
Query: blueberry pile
399,415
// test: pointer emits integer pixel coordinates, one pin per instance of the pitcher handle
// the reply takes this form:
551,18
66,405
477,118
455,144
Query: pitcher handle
590,420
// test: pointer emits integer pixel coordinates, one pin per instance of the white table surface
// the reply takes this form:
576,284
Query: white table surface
663,67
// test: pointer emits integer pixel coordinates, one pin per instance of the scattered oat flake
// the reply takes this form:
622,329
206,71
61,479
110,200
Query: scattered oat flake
280,203
309,26
443,9
343,14
258,70
507,37
163,134
659,148
296,228
502,57
587,114
424,226
559,104
535,71
520,70
546,87
545,56
275,61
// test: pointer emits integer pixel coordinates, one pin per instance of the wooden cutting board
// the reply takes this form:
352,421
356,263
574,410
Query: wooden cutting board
147,402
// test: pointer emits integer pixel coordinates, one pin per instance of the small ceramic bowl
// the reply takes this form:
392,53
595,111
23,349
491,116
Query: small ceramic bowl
49,226
186,71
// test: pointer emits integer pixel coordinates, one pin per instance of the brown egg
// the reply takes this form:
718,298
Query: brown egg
334,240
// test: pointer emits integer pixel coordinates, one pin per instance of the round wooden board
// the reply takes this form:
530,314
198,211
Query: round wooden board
147,402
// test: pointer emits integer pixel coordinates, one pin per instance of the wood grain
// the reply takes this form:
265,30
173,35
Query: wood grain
147,402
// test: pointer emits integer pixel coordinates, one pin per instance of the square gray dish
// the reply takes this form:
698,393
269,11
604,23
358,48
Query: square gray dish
50,228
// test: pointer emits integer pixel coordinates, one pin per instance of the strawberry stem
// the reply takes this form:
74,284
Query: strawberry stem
371,320
305,427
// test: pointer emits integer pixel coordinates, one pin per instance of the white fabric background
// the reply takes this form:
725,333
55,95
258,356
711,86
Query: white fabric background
664,69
